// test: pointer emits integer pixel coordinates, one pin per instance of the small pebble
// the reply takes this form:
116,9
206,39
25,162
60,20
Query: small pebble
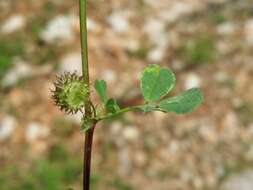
60,28
71,62
13,24
192,80
131,133
119,22
34,131
7,127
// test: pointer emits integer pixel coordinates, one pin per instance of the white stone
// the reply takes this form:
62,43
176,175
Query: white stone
130,133
250,129
119,21
140,158
223,47
174,147
116,127
175,11
198,182
109,75
249,153
125,163
75,118
221,76
92,25
19,70
13,24
61,28
237,102
34,131
192,80
217,1
160,116
131,44
156,55
241,181
154,25
226,28
71,62
7,127
208,133
231,125
155,30
248,31
177,64
186,175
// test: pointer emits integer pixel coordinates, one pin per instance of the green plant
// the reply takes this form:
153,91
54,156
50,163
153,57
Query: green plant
199,50
72,94
8,50
56,170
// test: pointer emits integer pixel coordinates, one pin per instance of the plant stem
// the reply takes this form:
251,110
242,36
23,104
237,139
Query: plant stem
88,109
87,157
123,110
84,41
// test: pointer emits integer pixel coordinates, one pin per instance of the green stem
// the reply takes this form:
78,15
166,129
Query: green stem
84,40
88,109
124,110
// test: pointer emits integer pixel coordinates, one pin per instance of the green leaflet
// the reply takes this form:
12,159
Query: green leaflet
100,86
183,103
112,106
156,82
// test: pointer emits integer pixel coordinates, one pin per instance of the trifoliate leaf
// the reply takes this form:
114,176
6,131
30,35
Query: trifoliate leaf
100,86
183,103
156,82
112,106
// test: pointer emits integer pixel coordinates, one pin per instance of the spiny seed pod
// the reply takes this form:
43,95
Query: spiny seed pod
70,93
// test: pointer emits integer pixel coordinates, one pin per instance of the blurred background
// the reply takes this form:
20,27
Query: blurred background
207,43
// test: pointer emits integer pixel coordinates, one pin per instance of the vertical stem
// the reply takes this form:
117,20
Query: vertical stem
88,112
84,41
87,157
